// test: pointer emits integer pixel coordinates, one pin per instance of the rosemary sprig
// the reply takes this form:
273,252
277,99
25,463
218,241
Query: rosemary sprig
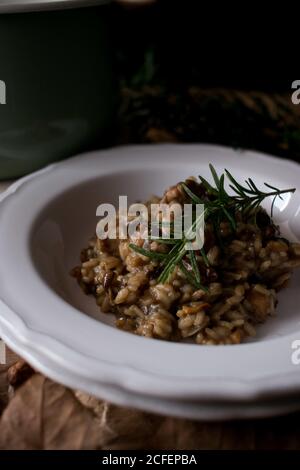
195,266
188,275
250,197
150,254
218,206
204,256
166,241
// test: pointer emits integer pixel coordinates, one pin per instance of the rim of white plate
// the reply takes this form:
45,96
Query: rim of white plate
214,411
79,344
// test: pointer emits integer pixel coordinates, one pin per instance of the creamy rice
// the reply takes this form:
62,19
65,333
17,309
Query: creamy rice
246,270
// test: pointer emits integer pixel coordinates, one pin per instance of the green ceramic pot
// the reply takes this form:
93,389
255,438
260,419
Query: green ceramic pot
57,93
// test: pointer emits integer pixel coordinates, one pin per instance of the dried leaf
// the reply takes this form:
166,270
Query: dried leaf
18,373
45,415
3,388
11,358
122,428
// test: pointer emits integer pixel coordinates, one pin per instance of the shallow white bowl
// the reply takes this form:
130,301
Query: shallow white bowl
192,409
48,217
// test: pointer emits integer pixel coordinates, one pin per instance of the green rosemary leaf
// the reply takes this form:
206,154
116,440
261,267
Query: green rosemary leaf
188,275
270,186
172,263
204,256
237,191
278,192
272,206
195,266
255,188
230,218
148,253
222,193
166,241
248,207
249,186
237,186
273,187
173,251
190,193
208,186
214,175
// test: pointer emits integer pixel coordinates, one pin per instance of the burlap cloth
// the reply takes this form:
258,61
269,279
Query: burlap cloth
40,414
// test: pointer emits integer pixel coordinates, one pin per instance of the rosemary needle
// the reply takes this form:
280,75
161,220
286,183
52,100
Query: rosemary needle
218,206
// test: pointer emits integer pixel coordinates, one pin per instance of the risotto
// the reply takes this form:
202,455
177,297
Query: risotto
242,268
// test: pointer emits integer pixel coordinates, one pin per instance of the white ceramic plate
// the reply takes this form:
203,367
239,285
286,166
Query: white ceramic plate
48,217
197,410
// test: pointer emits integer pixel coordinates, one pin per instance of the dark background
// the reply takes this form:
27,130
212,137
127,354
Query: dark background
243,47
189,73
